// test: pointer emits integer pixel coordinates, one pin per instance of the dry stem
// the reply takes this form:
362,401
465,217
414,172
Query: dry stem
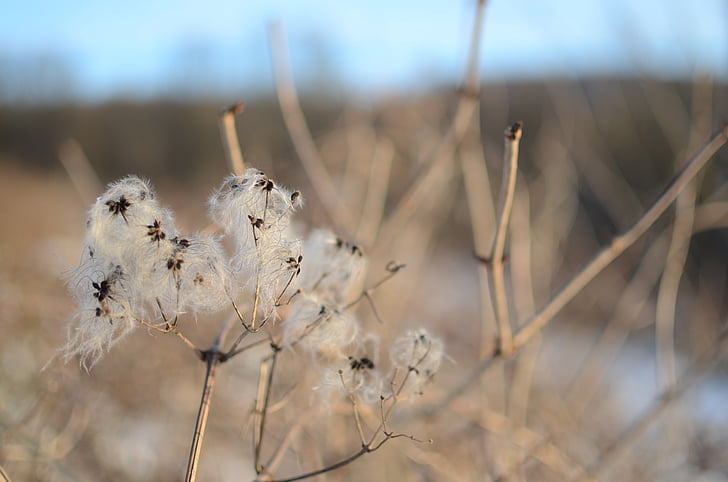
665,317
212,361
426,182
229,136
622,242
212,357
79,169
508,189
295,121
622,446
596,265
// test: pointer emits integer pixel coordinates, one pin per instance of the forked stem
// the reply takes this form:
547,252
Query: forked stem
212,357
620,244
596,265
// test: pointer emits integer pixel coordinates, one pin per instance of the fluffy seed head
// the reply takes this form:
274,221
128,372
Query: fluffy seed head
419,353
332,265
320,330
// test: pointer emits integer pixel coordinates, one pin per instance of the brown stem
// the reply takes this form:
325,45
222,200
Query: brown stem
508,190
213,360
335,466
431,176
229,136
595,266
80,171
621,447
624,241
261,406
295,121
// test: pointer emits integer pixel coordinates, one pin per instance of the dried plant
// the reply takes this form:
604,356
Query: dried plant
137,270
306,304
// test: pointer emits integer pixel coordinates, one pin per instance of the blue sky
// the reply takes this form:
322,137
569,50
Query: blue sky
99,49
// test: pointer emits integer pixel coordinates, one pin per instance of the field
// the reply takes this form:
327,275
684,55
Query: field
623,380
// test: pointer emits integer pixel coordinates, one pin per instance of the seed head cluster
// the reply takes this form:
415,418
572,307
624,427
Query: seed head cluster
138,269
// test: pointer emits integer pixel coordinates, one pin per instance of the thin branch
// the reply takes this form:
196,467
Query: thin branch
376,193
631,303
329,468
635,295
212,360
293,430
508,190
365,449
370,446
427,181
624,241
355,408
535,445
80,171
476,181
392,268
212,357
622,446
172,328
265,382
229,135
236,351
594,267
679,246
670,284
295,121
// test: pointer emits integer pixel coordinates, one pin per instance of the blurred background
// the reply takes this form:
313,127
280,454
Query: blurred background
614,95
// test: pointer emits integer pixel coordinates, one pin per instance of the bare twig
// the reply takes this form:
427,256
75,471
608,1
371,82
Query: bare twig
172,329
508,189
79,169
355,408
622,242
229,136
627,310
376,194
622,446
365,449
339,464
4,475
277,457
265,382
678,252
482,219
425,183
670,283
595,266
635,296
536,446
392,268
235,351
372,444
212,360
228,325
523,369
295,121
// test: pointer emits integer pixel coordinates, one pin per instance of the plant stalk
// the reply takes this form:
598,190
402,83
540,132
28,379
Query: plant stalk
213,360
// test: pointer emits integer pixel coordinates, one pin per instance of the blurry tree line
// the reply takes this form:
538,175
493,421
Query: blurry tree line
639,128
155,135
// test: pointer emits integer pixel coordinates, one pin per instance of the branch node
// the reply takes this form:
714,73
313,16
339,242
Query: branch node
233,109
513,131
